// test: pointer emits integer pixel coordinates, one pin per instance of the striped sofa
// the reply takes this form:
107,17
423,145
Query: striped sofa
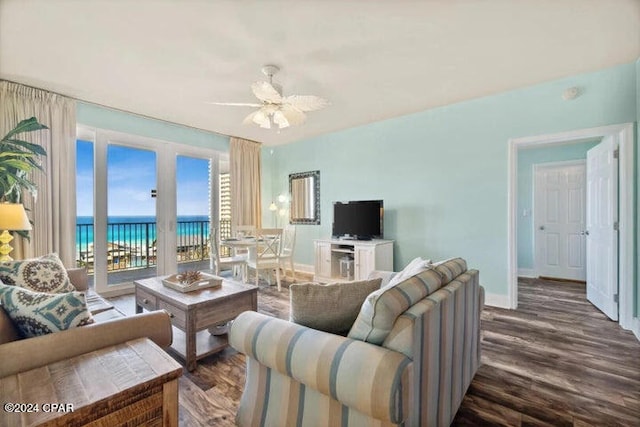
297,376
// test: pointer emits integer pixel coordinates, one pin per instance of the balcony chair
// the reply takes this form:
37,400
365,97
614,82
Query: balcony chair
264,255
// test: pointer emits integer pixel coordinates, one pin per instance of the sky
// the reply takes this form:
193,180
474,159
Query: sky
131,175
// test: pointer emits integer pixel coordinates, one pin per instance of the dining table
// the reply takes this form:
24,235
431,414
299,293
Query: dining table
249,244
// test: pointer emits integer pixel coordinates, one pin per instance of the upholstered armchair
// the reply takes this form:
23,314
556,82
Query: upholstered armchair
412,367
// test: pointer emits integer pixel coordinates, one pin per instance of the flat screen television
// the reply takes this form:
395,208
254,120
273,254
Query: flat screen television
360,219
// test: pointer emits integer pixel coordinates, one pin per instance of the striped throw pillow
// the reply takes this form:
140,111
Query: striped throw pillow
381,308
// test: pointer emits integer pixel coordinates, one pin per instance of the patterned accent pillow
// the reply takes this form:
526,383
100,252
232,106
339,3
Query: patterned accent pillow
35,313
381,308
44,274
331,308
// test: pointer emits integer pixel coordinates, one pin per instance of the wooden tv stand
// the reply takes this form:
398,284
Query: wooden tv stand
367,255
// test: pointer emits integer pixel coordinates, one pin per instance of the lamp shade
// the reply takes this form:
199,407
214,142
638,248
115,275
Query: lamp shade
273,207
13,217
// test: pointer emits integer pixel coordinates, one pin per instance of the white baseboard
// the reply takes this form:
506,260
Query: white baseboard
635,327
527,272
496,300
304,268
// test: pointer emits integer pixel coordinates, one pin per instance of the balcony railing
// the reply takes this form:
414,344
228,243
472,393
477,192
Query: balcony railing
132,245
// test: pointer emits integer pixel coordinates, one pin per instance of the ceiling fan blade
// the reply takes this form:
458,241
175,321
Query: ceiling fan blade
293,115
264,91
306,102
236,104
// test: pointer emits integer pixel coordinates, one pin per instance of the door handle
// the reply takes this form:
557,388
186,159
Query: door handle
586,232
541,227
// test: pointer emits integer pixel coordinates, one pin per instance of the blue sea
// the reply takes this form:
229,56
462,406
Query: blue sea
137,230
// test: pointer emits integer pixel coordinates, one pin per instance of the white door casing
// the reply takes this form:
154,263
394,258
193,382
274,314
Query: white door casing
559,220
602,218
624,135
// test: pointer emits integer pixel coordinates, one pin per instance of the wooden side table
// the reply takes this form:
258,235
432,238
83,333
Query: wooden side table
194,313
134,383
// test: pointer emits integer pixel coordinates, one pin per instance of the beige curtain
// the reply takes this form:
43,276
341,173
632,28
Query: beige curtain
244,174
54,210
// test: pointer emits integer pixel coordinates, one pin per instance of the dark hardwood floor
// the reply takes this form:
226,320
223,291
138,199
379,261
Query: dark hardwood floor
556,360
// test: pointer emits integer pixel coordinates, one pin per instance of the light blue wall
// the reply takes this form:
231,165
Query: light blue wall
527,158
105,118
443,172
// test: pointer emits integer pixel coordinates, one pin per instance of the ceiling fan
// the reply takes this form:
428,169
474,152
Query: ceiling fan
275,109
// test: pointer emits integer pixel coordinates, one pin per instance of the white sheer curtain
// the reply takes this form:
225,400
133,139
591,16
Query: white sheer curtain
54,210
244,174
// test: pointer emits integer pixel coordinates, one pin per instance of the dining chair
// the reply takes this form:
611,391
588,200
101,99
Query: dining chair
264,254
287,245
235,262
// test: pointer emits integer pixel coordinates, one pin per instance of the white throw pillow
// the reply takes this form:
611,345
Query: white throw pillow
416,266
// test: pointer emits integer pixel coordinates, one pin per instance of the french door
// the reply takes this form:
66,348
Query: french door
140,197
197,174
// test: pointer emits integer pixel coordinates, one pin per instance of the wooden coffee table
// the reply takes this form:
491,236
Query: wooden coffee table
193,313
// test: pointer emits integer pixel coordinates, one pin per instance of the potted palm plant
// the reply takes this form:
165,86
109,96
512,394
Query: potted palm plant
17,159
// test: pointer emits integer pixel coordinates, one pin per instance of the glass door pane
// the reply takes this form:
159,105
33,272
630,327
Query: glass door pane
84,203
131,217
193,195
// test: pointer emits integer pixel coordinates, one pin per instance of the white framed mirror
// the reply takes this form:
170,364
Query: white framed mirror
304,188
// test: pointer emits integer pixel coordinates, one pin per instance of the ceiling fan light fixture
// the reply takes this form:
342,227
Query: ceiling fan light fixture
260,118
280,119
274,108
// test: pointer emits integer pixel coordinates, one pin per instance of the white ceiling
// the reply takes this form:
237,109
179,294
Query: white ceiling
373,60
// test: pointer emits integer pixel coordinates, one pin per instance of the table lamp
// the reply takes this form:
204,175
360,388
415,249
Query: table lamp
12,218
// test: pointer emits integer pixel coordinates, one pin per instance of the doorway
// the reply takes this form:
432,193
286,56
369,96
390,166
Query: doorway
623,135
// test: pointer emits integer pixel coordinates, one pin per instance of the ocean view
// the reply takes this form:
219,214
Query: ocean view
137,230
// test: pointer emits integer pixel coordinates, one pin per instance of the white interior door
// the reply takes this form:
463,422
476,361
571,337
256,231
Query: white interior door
559,214
602,236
